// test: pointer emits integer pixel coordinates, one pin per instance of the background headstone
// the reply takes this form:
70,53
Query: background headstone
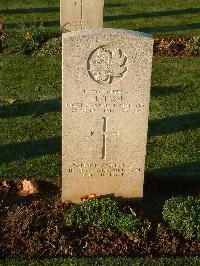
81,14
106,91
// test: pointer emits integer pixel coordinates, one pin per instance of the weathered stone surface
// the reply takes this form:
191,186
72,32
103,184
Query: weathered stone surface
81,14
106,91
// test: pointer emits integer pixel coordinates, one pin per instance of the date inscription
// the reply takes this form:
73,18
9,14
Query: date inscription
102,169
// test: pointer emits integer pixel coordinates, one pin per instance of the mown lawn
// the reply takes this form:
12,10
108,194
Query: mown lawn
174,17
30,135
30,128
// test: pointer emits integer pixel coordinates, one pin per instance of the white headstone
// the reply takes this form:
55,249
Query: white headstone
81,14
106,92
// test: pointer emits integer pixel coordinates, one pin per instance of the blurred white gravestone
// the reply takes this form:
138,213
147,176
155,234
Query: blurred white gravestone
105,106
81,14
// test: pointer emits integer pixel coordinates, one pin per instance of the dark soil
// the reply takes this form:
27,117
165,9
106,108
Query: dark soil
33,227
171,46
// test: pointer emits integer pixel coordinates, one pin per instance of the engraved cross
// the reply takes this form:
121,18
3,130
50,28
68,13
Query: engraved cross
81,9
105,134
105,125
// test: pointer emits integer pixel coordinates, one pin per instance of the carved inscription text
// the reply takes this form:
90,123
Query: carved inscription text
104,169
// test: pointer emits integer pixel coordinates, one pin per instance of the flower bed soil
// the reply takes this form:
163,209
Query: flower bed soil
170,46
33,226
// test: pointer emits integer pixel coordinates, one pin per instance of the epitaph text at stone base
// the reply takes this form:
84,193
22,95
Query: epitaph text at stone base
77,15
105,107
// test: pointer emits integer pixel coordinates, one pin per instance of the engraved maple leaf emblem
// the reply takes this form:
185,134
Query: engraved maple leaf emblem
107,66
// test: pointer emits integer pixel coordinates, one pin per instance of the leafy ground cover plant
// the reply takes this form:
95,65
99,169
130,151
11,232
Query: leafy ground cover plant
27,40
51,47
104,213
2,34
183,216
193,45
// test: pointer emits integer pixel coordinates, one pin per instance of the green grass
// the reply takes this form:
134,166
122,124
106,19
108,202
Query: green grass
30,135
187,261
174,17
174,129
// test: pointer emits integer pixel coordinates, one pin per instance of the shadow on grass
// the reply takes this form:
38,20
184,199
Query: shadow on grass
31,108
29,149
153,14
30,10
56,23
177,174
171,28
52,23
114,5
162,184
158,90
47,9
174,124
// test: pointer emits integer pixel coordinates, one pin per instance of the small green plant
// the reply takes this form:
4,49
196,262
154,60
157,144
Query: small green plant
27,40
194,45
104,213
183,216
2,34
51,47
33,38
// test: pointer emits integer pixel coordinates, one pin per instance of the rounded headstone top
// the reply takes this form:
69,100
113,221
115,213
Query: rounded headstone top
106,31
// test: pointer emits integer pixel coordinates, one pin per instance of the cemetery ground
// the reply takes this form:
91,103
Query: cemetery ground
33,226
